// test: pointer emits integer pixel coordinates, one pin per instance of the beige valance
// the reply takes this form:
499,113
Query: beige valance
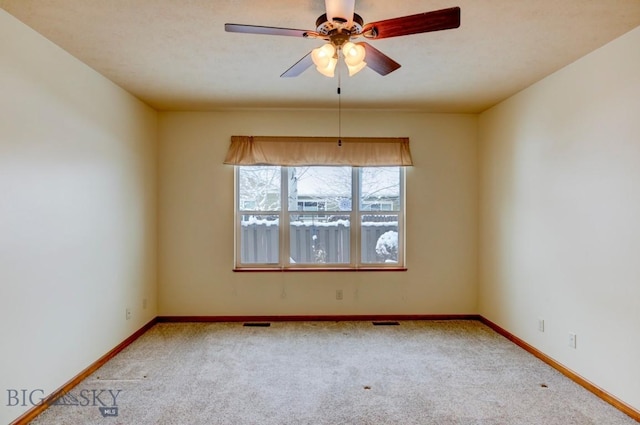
290,151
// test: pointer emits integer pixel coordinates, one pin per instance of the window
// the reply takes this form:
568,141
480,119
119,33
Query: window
319,202
319,217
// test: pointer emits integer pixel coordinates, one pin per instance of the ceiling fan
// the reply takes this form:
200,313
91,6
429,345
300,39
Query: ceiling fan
340,25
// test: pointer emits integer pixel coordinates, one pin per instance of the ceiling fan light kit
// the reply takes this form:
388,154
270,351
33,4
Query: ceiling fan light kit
326,58
340,25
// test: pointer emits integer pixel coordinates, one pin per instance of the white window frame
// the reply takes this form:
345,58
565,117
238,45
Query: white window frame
355,256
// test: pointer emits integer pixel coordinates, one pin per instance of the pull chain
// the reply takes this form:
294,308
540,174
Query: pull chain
339,107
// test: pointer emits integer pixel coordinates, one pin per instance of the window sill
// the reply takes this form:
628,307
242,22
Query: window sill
318,269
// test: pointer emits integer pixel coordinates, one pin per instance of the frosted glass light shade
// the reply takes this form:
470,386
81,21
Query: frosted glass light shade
325,60
354,69
328,71
353,53
354,57
323,55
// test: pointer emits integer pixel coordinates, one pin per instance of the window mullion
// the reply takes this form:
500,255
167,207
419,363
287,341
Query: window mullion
354,255
284,217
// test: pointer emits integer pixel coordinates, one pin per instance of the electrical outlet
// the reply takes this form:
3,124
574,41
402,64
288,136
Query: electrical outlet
338,294
541,325
572,340
128,313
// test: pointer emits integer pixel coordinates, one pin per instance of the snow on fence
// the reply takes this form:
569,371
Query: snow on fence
259,241
317,242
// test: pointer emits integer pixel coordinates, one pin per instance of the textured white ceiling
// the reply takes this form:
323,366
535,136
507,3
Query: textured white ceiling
175,54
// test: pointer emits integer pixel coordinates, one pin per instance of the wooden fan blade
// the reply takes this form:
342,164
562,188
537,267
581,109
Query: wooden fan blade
378,61
257,29
299,67
437,20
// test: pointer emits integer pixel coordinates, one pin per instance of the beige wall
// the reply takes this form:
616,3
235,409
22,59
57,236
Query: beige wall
197,232
560,209
77,214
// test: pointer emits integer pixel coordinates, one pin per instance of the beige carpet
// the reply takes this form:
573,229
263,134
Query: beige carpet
418,372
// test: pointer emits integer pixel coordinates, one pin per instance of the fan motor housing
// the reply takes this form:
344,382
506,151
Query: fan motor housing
326,27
